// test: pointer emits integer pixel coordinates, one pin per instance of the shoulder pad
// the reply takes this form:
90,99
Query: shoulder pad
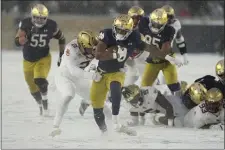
52,23
25,23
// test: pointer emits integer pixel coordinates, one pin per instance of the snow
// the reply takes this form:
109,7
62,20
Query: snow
22,127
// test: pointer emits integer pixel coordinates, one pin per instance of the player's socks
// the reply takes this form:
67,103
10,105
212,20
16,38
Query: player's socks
142,120
100,119
44,100
38,98
62,108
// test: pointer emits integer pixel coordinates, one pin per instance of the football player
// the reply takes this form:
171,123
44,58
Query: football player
145,100
209,114
71,77
179,38
157,32
210,81
115,46
34,34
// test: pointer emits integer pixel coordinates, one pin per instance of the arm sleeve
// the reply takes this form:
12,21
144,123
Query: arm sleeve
58,34
170,34
70,58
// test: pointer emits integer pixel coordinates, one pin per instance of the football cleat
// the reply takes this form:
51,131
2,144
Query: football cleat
56,131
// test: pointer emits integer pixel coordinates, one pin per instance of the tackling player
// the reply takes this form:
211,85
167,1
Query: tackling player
209,114
114,47
34,34
209,81
71,77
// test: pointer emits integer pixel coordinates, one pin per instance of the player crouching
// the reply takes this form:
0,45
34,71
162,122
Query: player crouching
146,100
72,78
180,105
34,34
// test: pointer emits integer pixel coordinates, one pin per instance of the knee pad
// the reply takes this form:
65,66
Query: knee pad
42,84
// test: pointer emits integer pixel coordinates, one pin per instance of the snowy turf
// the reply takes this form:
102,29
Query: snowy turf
22,127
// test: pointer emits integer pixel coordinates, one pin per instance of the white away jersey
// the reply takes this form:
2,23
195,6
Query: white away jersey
198,116
149,96
73,62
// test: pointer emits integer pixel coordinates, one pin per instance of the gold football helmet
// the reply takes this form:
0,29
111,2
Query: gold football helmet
184,86
158,20
87,40
197,92
213,100
39,15
122,27
214,95
131,94
170,11
136,13
220,71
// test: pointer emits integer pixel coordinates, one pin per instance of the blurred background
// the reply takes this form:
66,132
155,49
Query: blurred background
202,21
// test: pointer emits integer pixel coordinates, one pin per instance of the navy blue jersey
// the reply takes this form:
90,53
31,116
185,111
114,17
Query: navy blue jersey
210,82
131,43
37,46
167,34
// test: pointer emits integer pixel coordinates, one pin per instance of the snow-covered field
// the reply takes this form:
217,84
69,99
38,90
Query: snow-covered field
22,127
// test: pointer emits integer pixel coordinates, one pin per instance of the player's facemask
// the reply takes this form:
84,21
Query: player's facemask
121,34
89,52
213,107
156,27
132,95
39,21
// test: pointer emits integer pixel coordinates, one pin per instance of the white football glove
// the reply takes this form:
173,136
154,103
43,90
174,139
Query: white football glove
174,61
96,76
185,59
